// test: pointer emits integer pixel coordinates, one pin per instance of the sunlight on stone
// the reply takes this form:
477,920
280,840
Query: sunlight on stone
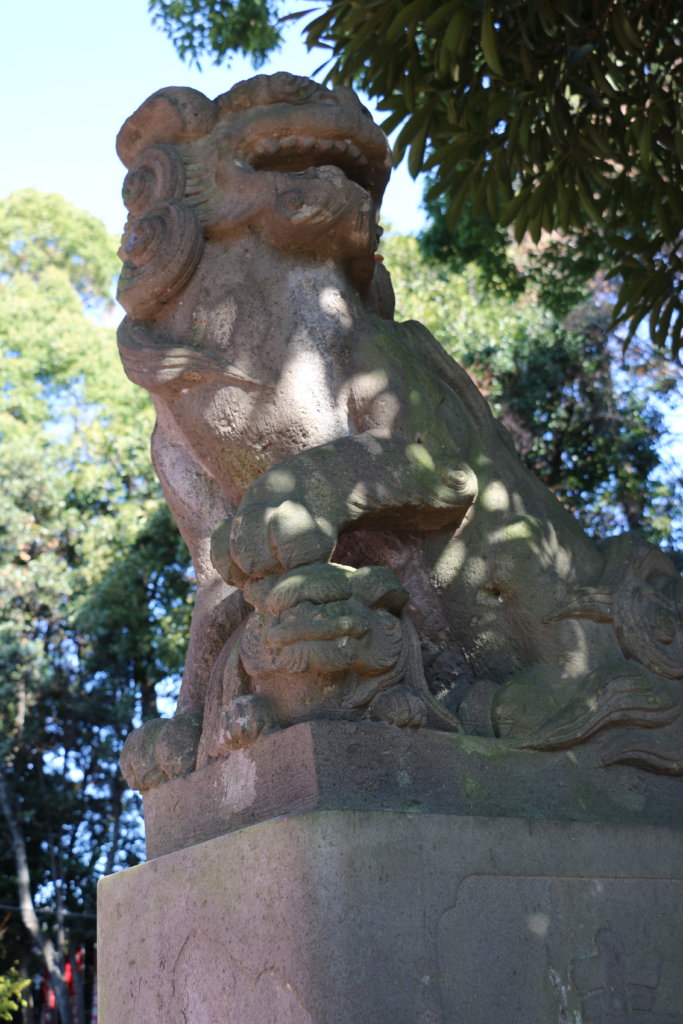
325,526
576,662
370,384
449,562
418,454
307,376
494,497
281,480
332,303
295,516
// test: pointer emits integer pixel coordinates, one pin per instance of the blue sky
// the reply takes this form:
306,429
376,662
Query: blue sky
72,71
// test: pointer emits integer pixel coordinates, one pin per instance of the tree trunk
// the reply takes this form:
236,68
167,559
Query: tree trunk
27,1011
51,957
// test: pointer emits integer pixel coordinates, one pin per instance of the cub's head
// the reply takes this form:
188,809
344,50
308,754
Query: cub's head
302,166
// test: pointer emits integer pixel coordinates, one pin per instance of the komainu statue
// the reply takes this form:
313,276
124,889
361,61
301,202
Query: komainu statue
366,543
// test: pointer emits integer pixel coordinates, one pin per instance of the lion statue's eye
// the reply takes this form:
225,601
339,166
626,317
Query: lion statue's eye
292,200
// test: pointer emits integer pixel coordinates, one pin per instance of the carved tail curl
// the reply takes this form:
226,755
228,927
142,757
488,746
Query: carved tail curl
640,593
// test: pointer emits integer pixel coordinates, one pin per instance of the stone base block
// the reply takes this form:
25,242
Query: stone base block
360,766
389,917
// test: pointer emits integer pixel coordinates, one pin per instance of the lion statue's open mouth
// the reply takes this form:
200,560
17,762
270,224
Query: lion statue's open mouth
303,165
360,159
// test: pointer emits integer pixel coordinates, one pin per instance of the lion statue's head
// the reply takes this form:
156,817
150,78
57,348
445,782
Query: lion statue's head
302,166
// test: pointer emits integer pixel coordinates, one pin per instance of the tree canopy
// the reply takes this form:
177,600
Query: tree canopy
565,116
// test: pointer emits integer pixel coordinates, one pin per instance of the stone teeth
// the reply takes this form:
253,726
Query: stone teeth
266,147
307,143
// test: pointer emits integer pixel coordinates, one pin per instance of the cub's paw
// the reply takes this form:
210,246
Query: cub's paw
159,750
269,538
399,706
242,722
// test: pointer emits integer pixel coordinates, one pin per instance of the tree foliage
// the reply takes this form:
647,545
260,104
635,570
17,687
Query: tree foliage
562,268
94,603
545,116
11,987
197,27
44,233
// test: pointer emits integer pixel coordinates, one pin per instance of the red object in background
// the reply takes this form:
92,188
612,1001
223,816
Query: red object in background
48,1013
93,1018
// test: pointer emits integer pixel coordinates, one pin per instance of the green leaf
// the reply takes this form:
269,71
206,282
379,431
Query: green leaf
406,16
394,120
488,42
417,150
563,197
512,208
628,39
437,18
455,36
660,321
588,203
600,79
643,129
492,193
520,224
460,193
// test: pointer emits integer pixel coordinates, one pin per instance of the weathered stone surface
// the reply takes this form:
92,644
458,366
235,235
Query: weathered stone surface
367,545
365,766
399,918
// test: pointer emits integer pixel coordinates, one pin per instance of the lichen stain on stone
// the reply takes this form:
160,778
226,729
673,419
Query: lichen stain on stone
239,781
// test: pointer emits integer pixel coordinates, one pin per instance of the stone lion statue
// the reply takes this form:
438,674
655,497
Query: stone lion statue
365,540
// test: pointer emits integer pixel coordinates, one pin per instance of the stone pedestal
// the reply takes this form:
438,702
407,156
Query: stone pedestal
400,911
341,917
